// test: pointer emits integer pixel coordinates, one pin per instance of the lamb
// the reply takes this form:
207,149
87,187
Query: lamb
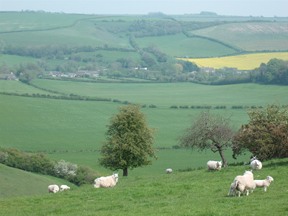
214,165
255,164
106,181
264,183
168,170
53,188
242,184
64,187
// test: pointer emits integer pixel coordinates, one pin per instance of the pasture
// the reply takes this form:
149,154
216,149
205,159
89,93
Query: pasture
180,45
250,36
74,130
197,192
164,95
15,183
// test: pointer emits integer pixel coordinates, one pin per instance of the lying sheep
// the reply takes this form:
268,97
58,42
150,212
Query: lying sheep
214,165
53,188
264,183
242,184
168,170
255,164
64,187
106,181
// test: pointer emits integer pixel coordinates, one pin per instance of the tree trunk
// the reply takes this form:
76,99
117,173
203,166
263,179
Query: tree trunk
125,171
224,162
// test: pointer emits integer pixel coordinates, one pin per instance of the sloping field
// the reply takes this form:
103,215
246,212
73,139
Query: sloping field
25,21
197,192
83,33
13,60
181,46
242,62
15,182
250,36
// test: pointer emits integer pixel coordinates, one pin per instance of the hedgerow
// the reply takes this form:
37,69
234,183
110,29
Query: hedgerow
39,163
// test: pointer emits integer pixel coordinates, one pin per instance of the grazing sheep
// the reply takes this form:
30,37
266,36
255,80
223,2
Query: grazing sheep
64,187
53,188
106,181
255,164
214,165
242,184
168,170
264,183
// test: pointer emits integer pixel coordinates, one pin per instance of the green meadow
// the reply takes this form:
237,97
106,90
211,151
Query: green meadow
74,130
15,183
182,46
250,36
197,192
164,95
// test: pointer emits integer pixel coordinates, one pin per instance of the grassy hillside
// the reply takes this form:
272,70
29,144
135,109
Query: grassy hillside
172,35
180,46
15,183
196,192
250,36
74,130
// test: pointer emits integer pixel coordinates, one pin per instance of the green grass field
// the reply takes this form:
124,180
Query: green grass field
113,31
196,192
250,36
75,130
15,183
164,95
181,46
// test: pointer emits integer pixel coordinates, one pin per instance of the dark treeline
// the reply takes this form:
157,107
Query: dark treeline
55,51
274,72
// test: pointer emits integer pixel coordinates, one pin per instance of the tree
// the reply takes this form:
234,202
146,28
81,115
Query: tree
209,131
265,135
274,72
129,141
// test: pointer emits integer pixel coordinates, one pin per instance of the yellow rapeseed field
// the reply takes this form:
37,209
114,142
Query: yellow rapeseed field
242,62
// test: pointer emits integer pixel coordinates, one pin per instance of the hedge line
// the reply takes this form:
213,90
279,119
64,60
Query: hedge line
39,163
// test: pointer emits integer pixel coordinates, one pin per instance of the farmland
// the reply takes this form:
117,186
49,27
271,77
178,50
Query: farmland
75,130
242,62
163,194
42,116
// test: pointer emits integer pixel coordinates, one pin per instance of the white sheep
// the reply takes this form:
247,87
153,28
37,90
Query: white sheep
214,165
53,188
264,183
255,164
168,170
106,181
64,187
242,184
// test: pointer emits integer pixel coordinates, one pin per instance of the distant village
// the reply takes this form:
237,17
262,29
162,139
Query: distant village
78,74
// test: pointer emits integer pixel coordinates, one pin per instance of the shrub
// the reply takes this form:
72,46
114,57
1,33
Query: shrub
65,169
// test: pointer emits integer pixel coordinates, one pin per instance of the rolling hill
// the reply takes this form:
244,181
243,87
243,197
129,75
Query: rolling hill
18,183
